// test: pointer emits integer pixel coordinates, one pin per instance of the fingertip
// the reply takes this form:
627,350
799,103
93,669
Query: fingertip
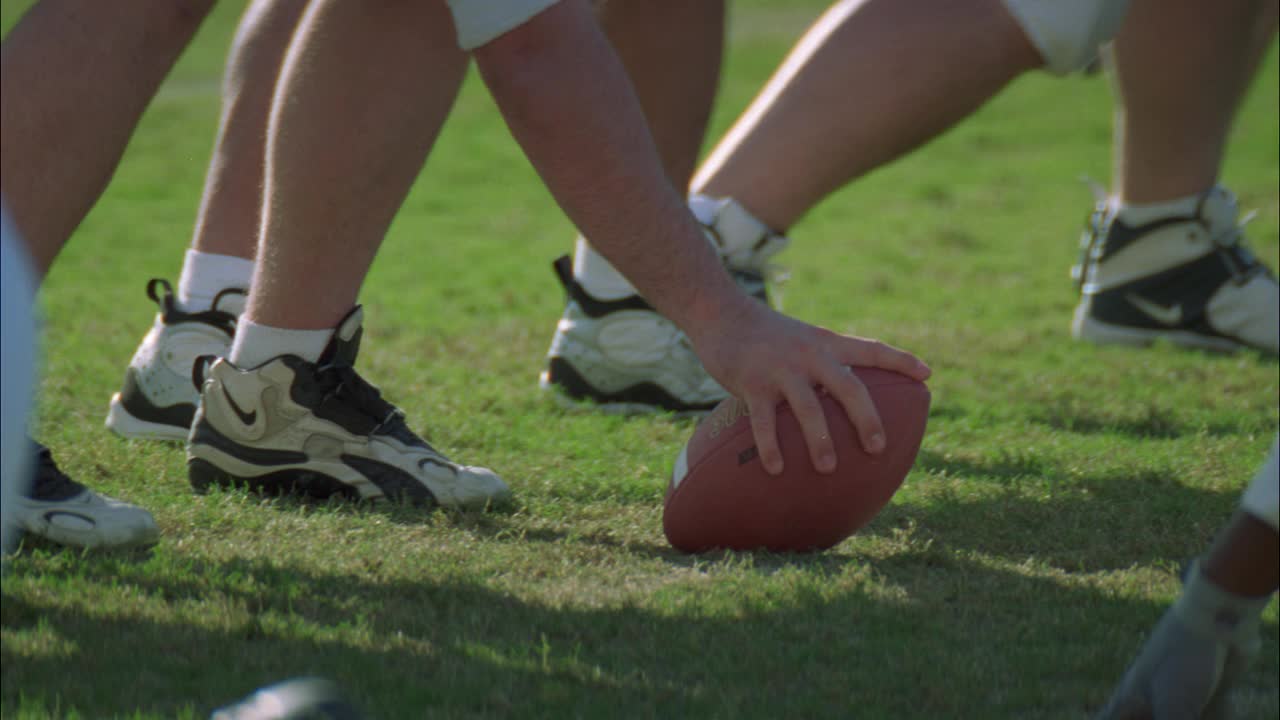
875,443
923,372
772,464
826,463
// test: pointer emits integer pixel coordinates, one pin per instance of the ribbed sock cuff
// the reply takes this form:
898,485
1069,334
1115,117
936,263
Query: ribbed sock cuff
256,345
204,275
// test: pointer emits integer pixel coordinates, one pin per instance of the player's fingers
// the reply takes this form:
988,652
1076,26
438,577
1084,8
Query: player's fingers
873,353
813,423
844,386
764,427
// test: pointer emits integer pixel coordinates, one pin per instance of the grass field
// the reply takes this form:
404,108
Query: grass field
1059,489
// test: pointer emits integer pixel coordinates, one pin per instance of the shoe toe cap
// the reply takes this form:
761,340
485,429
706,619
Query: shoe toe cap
479,488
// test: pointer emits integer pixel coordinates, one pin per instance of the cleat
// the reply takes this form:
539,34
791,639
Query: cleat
624,357
1188,280
63,511
158,400
320,430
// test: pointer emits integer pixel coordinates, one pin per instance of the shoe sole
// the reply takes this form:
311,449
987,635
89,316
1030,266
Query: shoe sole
312,483
1100,333
205,476
124,424
566,402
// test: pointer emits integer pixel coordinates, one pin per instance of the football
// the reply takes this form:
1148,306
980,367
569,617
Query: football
720,496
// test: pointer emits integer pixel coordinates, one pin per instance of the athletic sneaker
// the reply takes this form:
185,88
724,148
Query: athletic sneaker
62,510
159,398
1191,280
319,429
306,698
625,357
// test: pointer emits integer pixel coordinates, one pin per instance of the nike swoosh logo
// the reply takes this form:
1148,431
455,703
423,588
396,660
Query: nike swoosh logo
245,417
1165,315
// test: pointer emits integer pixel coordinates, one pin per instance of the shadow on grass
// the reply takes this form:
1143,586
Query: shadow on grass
950,638
1099,522
1149,422
1103,521
764,562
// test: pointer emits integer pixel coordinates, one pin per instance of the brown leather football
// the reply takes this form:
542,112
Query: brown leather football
721,497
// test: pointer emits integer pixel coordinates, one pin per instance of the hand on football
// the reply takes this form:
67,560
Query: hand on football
765,358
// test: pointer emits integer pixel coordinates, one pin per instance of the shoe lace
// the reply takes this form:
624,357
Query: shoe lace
220,319
343,383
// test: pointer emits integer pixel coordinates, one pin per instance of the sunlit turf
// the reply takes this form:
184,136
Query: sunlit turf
1059,489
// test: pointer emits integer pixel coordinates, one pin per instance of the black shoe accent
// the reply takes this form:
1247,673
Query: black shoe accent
566,378
1101,239
245,417
171,315
49,483
395,483
593,307
752,283
137,404
204,476
1187,287
205,434
334,391
1119,236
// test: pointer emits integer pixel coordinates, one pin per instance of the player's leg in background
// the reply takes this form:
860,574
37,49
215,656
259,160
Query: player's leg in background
609,347
1204,643
833,112
75,77
1142,280
363,93
830,114
672,51
158,399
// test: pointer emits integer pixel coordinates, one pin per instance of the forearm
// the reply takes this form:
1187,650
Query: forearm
570,105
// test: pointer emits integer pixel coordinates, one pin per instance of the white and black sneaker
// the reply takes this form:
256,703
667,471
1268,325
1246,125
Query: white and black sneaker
624,357
159,399
319,429
1190,280
63,511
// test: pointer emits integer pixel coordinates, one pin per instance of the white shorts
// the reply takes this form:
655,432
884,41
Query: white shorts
480,21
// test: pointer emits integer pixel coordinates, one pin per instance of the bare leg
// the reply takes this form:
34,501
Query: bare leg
672,52
229,215
347,140
75,77
65,61
1176,108
832,113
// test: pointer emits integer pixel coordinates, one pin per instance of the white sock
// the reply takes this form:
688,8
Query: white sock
204,275
257,344
1136,215
599,278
